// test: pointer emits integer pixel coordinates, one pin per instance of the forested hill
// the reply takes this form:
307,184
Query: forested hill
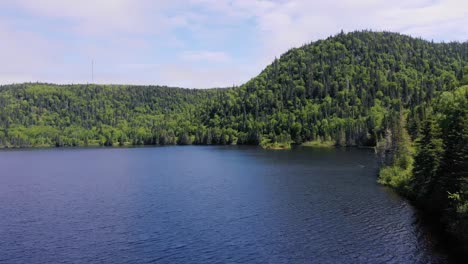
345,88
348,89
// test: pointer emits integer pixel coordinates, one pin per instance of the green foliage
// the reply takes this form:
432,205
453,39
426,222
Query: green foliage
319,144
268,144
398,157
426,171
439,182
396,177
465,76
344,89
85,115
453,177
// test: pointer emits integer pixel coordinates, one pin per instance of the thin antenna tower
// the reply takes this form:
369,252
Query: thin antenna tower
92,71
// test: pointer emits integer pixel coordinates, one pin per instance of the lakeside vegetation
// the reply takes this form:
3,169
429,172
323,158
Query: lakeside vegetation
319,144
402,95
267,144
432,170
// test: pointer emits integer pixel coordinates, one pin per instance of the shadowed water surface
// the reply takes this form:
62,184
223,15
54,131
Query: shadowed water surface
203,205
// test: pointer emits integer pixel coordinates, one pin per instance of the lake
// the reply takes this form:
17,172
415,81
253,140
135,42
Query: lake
204,205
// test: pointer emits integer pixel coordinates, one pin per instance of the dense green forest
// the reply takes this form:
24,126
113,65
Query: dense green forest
345,89
432,169
400,94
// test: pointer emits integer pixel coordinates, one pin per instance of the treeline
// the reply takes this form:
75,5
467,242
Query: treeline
81,115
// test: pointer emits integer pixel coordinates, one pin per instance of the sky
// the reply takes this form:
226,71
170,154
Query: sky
192,43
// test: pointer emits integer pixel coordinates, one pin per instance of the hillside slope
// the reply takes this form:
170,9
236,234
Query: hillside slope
345,88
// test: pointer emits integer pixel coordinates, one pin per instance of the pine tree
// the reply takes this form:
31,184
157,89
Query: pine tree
454,164
427,166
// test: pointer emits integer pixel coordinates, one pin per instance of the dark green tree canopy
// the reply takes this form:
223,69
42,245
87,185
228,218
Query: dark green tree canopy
343,89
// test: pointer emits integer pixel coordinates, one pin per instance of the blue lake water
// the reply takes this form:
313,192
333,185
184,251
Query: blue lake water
204,205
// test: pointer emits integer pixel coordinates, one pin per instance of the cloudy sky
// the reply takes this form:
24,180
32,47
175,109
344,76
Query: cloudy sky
192,43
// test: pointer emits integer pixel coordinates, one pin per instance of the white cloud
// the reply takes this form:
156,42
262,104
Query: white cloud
292,23
186,75
124,35
213,56
105,17
25,54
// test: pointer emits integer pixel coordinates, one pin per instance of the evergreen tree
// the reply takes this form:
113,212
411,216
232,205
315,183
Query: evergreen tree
426,171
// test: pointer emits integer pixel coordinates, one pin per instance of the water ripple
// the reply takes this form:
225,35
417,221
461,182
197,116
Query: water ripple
203,205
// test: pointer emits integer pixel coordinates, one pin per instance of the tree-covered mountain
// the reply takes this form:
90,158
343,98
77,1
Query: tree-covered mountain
344,89
397,93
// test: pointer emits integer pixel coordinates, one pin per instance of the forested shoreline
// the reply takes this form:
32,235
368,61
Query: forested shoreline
404,96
